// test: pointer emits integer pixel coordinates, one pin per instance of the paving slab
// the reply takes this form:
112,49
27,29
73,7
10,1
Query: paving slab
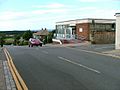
6,79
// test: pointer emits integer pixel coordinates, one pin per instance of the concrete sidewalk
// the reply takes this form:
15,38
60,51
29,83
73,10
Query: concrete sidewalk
113,53
67,45
2,77
6,79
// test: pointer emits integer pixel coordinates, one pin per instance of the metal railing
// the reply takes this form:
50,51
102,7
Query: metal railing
68,36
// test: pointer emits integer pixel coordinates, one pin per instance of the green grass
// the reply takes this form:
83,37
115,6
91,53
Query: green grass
9,39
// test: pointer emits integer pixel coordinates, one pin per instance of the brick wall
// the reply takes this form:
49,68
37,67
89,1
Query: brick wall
104,37
84,32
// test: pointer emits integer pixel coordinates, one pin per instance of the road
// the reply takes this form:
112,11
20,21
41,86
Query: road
61,68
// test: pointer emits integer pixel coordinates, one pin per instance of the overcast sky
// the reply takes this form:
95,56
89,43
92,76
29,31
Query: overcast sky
37,14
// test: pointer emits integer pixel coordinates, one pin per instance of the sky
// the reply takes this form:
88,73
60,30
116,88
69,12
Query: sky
37,14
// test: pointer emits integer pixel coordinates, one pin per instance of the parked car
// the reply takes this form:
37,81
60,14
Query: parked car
35,42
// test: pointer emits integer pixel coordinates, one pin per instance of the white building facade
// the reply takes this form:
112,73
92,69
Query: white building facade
117,41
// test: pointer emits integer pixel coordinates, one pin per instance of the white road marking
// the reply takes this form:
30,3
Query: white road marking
103,47
45,52
96,71
103,54
88,51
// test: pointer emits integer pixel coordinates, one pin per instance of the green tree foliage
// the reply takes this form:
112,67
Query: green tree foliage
50,36
16,39
26,35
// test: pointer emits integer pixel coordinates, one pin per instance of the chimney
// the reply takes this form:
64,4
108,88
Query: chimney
117,40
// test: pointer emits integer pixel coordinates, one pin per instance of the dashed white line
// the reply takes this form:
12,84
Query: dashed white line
45,52
78,64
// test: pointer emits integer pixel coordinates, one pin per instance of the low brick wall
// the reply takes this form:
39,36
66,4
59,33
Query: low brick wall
104,38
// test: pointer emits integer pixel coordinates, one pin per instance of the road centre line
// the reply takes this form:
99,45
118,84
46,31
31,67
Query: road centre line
45,52
78,64
17,78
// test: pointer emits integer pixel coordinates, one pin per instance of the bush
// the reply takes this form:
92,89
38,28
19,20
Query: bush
8,43
26,35
93,42
23,43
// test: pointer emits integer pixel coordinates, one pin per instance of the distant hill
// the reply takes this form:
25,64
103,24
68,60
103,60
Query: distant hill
12,32
18,32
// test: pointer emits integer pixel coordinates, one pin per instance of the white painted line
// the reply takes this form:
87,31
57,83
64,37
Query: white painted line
89,51
45,52
103,54
103,47
78,64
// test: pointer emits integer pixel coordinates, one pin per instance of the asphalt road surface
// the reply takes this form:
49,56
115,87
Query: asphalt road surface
61,68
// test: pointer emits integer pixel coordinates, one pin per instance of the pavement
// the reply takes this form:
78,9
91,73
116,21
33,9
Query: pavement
5,79
68,45
113,52
2,77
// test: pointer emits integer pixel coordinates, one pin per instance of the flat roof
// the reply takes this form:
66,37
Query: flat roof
117,14
87,20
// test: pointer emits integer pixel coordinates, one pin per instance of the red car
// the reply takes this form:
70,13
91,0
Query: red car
35,42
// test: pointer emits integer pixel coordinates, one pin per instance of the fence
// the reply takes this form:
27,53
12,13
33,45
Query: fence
104,37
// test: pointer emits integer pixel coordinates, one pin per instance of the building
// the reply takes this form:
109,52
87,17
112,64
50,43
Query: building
41,34
117,41
89,29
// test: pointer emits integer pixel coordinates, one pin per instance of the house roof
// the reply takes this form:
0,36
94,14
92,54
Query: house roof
42,32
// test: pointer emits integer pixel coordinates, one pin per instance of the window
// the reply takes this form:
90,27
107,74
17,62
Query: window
80,29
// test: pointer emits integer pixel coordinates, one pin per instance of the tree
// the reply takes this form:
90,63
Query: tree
16,39
26,35
50,36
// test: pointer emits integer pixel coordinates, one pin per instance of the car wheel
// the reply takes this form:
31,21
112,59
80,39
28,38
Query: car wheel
40,44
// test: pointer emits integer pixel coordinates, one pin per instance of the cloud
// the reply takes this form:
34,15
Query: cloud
53,5
46,15
101,13
87,8
33,19
11,15
97,0
48,11
88,0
